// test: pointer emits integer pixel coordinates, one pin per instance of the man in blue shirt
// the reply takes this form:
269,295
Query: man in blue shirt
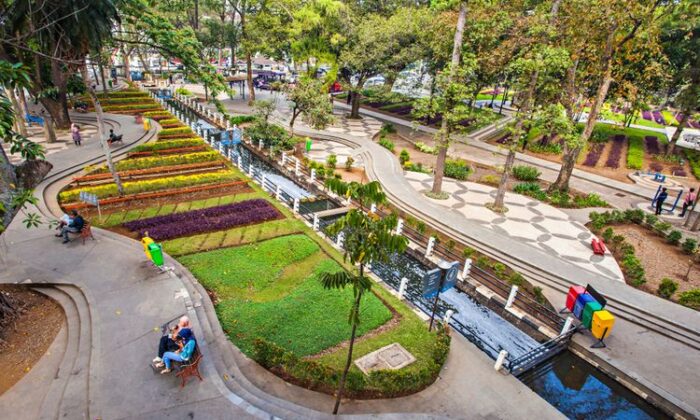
75,226
188,343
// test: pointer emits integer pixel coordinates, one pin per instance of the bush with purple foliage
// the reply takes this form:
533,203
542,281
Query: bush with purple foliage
652,145
205,220
618,143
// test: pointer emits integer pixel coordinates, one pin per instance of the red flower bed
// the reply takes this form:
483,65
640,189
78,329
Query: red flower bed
205,220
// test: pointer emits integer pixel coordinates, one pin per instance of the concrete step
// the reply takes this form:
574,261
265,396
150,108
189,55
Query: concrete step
51,404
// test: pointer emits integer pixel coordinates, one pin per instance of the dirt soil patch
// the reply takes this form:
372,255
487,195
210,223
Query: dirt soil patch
660,259
26,341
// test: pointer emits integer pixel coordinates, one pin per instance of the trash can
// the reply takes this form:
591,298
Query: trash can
574,292
588,311
156,251
602,324
581,302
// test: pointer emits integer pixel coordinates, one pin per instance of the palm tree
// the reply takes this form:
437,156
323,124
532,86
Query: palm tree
367,238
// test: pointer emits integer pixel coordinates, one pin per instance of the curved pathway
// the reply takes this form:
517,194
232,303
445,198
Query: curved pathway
115,302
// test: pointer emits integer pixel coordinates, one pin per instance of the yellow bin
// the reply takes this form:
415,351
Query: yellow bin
146,241
602,320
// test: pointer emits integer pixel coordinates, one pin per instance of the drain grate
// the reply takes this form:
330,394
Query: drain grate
620,195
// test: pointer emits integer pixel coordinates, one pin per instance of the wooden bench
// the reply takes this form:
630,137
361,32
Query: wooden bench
184,370
85,232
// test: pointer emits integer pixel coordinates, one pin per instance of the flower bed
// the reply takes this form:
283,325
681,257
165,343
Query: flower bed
125,175
127,93
106,191
177,150
131,107
594,154
616,151
175,132
230,187
694,161
155,161
647,115
163,145
635,153
128,100
205,220
652,145
658,118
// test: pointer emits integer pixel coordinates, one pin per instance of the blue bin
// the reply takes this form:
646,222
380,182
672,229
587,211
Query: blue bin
581,302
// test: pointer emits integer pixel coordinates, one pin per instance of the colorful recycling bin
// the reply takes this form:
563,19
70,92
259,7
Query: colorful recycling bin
574,292
581,302
588,311
156,252
146,241
602,324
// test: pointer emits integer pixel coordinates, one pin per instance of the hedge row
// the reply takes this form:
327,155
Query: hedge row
170,121
382,383
161,113
156,161
176,130
170,144
110,190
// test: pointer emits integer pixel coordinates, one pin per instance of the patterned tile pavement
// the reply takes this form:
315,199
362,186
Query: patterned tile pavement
526,220
320,150
64,140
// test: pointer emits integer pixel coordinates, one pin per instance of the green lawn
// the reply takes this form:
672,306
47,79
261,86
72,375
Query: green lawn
271,290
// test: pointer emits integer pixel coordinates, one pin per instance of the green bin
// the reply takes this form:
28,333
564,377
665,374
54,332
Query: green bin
156,251
588,310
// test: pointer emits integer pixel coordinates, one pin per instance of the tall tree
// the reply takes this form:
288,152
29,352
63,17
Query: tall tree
310,101
367,238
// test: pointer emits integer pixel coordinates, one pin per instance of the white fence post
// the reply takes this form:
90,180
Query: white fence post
278,193
429,248
500,360
339,240
250,169
313,175
511,296
467,268
297,167
402,287
260,144
399,227
262,182
567,325
296,205
284,158
373,208
448,316
315,225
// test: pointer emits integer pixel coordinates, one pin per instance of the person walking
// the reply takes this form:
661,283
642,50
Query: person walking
689,200
660,201
75,133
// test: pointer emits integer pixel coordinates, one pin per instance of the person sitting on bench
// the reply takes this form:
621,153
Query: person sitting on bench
187,345
75,226
168,342
113,138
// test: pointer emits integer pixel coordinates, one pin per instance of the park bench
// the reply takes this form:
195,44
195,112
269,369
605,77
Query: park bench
34,119
184,370
85,232
116,138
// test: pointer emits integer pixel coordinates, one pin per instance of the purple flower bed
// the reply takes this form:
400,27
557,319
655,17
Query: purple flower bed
618,143
678,171
656,167
503,140
658,118
593,154
647,115
404,110
652,145
205,220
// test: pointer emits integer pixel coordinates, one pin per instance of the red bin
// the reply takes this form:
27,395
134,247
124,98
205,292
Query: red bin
574,292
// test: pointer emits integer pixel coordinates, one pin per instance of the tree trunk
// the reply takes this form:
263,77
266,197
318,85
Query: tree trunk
60,80
249,78
101,133
444,142
127,67
196,15
681,125
295,114
348,362
8,183
355,110
19,116
498,203
390,80
55,110
493,96
696,225
567,168
144,62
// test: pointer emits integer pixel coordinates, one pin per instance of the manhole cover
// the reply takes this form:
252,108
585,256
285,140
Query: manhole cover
392,357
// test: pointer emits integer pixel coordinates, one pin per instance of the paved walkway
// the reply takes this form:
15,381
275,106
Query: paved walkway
115,303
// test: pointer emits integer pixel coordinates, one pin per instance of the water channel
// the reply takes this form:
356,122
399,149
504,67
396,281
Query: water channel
569,383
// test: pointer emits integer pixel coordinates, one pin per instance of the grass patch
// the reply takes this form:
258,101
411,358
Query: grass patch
271,290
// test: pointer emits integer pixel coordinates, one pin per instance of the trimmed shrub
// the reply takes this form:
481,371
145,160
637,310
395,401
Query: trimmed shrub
387,144
331,161
179,181
516,279
531,189
662,227
608,235
457,169
667,288
690,298
241,119
183,91
690,246
651,219
415,167
404,157
526,173
674,237
590,200
426,149
489,180
348,162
